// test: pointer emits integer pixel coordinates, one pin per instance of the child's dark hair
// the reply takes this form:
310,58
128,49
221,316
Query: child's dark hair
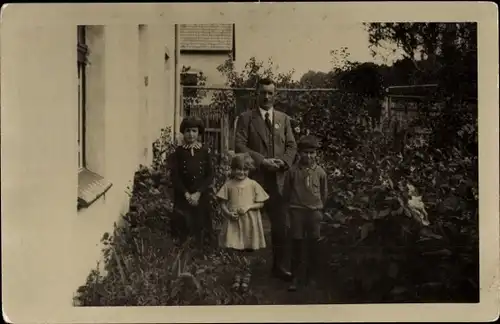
242,161
192,122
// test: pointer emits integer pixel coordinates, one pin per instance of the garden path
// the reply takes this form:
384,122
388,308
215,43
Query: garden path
265,290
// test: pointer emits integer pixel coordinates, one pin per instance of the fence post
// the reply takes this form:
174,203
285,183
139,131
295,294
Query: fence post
234,133
181,108
224,133
389,105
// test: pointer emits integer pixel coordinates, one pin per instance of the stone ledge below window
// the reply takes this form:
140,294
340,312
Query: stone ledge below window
91,187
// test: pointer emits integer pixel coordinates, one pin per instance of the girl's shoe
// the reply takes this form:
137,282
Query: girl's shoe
245,282
237,282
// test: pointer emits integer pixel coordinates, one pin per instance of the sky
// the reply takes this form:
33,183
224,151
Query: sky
303,46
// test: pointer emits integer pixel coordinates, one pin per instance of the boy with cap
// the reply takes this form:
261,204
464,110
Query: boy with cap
305,193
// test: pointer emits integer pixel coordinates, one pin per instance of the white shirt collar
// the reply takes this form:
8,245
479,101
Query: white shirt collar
263,113
191,147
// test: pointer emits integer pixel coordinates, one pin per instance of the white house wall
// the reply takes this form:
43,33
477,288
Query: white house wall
39,118
167,33
39,151
161,78
143,125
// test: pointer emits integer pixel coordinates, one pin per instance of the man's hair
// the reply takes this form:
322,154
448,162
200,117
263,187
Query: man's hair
264,81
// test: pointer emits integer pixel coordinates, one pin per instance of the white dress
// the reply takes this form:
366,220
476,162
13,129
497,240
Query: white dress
247,231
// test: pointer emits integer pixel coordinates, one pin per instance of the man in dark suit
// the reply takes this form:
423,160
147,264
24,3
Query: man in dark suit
267,135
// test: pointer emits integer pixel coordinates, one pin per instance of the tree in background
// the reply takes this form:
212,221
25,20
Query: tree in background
245,81
445,53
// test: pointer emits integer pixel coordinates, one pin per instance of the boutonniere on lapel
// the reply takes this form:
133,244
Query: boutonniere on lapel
277,126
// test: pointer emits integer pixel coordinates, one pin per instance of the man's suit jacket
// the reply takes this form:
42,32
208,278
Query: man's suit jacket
251,138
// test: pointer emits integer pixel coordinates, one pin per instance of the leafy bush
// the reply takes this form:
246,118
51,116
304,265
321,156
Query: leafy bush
377,182
374,191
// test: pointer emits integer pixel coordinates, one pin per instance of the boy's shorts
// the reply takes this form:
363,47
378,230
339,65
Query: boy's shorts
305,222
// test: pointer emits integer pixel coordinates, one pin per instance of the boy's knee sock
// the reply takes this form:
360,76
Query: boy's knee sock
296,257
314,255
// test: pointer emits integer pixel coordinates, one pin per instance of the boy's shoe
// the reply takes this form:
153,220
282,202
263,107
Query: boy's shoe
296,258
310,277
312,270
311,283
295,285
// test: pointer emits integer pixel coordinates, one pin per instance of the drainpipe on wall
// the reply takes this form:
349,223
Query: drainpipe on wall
177,93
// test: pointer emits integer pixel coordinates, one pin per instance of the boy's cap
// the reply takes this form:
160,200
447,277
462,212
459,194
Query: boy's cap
308,142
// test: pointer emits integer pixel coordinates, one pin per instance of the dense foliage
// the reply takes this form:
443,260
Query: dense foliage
402,216
398,204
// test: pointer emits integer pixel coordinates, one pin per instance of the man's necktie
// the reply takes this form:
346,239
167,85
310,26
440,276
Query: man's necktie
271,134
268,121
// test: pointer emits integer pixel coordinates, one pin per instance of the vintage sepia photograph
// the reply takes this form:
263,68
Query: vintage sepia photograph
352,179
235,161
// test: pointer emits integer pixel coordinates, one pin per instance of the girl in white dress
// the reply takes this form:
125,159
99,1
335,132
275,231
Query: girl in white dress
241,201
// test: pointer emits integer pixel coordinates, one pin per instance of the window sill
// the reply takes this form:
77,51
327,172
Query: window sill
91,187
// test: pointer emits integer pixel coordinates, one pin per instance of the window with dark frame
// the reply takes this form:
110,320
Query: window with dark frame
83,53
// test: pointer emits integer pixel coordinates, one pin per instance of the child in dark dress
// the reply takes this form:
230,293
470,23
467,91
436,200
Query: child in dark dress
192,176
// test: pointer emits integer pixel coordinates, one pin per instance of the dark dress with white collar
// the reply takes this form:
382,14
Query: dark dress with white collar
192,172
